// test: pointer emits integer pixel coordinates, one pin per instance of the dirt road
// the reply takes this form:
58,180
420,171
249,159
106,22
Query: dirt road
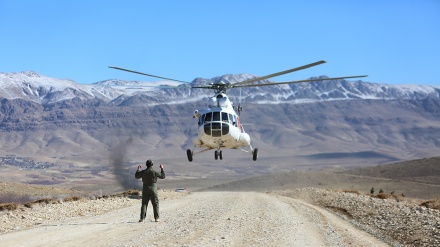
203,219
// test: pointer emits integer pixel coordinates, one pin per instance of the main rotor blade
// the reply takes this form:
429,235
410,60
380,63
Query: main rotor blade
140,73
207,87
280,73
300,81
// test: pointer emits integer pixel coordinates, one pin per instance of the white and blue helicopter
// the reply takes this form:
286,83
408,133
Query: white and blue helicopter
219,125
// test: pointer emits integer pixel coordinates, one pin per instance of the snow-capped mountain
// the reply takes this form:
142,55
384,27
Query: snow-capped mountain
29,85
331,90
41,89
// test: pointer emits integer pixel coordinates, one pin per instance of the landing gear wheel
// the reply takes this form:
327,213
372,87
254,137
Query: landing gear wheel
255,154
189,153
220,154
216,155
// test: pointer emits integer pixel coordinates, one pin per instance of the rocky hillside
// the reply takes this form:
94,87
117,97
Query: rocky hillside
328,122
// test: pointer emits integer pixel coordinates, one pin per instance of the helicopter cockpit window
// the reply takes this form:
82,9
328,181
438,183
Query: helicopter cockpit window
225,117
216,116
208,117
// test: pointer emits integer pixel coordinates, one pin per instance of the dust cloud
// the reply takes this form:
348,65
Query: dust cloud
124,171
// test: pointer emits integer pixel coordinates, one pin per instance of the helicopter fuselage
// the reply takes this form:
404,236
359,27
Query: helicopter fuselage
219,126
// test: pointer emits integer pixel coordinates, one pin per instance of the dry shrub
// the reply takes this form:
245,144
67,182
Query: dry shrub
41,201
128,193
72,198
103,197
47,201
133,194
352,191
433,203
383,196
399,198
11,201
8,206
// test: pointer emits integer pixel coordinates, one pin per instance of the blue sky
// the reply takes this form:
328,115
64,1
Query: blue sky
393,41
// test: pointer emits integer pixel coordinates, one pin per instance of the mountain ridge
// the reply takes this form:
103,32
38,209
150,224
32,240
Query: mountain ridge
41,116
32,86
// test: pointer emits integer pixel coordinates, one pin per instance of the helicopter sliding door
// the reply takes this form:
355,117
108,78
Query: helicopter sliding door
216,124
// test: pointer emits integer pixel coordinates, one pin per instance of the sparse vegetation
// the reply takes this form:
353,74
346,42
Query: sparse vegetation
8,206
383,196
42,201
398,221
12,201
434,203
16,216
136,194
72,198
352,191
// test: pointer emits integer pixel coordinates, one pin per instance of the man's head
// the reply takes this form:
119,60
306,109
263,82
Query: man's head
149,163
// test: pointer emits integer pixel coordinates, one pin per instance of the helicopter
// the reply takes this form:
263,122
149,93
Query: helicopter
219,125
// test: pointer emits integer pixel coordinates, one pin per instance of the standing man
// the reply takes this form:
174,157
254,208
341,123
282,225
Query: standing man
149,191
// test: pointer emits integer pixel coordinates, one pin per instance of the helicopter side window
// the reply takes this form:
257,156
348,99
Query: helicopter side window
216,116
201,119
208,117
234,119
225,117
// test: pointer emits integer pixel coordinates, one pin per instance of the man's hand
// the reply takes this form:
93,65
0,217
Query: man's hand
161,166
139,167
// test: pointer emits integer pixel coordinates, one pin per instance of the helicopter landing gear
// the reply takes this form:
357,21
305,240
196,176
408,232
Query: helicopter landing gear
255,154
218,154
189,153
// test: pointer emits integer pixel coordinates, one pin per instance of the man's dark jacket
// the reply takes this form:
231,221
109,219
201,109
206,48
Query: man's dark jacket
149,176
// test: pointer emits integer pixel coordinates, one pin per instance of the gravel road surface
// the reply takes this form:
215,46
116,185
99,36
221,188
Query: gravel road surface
202,219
